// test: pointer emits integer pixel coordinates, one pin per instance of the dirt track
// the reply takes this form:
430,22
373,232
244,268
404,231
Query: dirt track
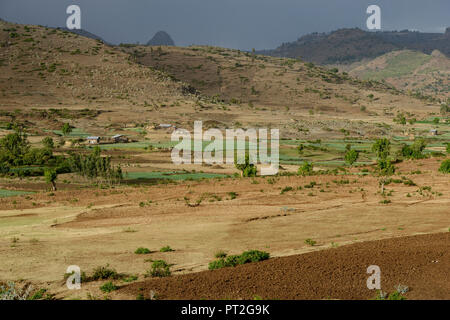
420,262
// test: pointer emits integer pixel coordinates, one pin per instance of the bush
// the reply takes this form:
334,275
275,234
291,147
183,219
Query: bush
234,260
108,287
286,190
142,251
310,242
415,151
445,166
232,195
247,169
306,169
104,273
160,269
166,249
253,256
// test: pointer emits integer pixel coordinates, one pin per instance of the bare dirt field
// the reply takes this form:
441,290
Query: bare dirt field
421,263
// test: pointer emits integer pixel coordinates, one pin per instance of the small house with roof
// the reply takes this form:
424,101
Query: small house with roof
93,140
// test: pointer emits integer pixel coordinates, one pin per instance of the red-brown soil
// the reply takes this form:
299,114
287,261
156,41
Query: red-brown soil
420,262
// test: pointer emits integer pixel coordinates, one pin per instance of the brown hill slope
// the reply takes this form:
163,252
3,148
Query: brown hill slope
407,70
42,67
237,77
139,85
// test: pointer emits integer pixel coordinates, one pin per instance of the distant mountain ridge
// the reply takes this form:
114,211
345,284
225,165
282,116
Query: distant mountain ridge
353,44
161,38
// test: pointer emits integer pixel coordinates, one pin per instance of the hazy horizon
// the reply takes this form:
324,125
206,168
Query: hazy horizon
245,24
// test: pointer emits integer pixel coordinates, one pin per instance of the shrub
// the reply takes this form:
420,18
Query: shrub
104,273
306,169
48,143
310,242
415,151
247,169
286,190
66,129
38,295
108,287
142,251
445,166
252,256
232,195
166,249
160,269
234,260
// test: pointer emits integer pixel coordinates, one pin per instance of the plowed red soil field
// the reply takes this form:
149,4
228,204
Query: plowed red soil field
420,262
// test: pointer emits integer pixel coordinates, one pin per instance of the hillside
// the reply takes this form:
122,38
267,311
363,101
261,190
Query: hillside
352,45
407,70
132,85
43,68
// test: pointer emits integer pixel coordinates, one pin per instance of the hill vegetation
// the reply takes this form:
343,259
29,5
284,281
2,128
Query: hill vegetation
352,45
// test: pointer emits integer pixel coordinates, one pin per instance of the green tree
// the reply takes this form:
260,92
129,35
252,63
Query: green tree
247,169
415,151
95,167
66,129
50,177
13,147
382,148
351,156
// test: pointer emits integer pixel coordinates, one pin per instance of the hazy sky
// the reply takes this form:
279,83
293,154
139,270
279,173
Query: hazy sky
243,24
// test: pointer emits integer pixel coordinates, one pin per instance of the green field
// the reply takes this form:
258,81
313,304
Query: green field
11,193
76,133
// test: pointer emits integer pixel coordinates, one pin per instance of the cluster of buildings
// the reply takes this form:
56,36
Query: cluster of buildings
118,138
